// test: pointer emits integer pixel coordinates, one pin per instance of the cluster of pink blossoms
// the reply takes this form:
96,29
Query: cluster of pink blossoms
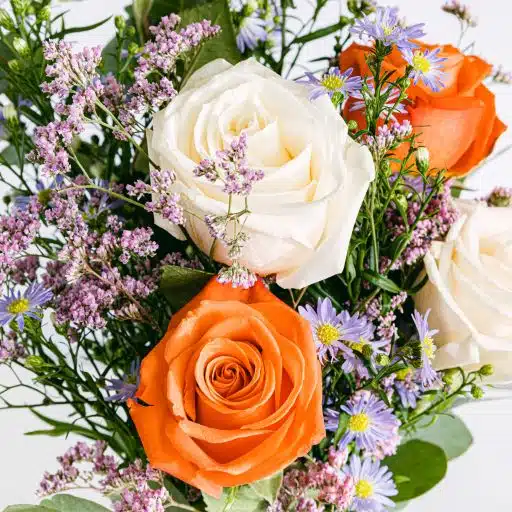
317,487
385,320
88,465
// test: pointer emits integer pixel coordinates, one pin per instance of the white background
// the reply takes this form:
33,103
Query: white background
479,480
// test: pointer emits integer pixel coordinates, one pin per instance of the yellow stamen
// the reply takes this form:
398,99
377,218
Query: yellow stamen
420,62
387,30
358,347
18,306
364,489
429,347
327,334
332,82
359,422
403,374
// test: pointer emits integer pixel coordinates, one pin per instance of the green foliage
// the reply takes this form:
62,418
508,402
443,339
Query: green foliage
60,503
449,432
422,464
179,284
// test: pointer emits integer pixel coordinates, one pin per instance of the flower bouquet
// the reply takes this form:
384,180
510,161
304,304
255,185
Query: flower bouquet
250,293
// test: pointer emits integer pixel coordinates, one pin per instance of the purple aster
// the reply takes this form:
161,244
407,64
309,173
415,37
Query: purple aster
427,375
426,65
371,422
126,387
333,82
408,390
374,484
387,28
17,305
388,106
43,194
252,30
327,329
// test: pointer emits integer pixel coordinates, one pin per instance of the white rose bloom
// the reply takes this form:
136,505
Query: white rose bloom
470,291
303,210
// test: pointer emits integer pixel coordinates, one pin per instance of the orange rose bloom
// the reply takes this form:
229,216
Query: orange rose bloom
234,387
458,124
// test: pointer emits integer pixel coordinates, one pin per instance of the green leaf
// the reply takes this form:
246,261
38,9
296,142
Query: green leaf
448,432
423,463
68,503
268,488
180,284
61,428
381,281
27,508
221,46
141,10
321,32
74,30
236,499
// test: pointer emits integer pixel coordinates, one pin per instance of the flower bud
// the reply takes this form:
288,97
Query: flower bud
20,7
34,362
14,65
477,392
10,114
448,376
401,202
45,13
422,159
405,84
352,125
21,46
367,350
130,31
6,21
133,48
120,22
487,370
382,359
385,167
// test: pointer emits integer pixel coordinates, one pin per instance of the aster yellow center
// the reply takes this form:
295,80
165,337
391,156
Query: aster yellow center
429,347
44,196
359,422
327,334
18,306
364,489
332,82
387,30
420,62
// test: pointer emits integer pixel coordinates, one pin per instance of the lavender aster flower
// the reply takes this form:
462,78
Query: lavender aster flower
427,375
408,390
371,422
17,305
253,30
327,329
127,387
387,28
333,82
426,65
374,484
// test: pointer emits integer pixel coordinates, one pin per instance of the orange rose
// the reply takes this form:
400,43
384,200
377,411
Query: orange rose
234,387
458,124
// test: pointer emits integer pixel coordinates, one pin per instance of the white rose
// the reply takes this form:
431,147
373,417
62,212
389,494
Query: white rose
303,210
470,291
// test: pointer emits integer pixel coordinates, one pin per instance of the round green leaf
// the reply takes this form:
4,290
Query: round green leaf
422,464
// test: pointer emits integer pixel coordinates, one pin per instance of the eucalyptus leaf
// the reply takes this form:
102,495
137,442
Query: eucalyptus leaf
424,464
450,433
180,284
239,499
268,488
27,508
69,503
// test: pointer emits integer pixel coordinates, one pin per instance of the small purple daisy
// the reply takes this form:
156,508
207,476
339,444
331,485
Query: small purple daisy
387,28
17,305
426,65
327,329
374,484
427,375
253,30
370,423
127,387
408,390
333,82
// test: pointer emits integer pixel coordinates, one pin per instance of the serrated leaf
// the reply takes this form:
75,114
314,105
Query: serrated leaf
68,503
448,432
180,284
268,488
423,463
